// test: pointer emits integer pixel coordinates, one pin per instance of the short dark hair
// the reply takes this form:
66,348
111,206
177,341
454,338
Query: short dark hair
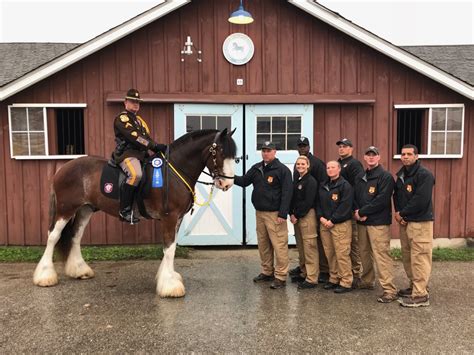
415,149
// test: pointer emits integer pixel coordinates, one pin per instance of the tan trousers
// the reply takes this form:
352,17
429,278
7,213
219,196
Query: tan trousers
305,235
374,246
337,246
133,169
272,244
355,253
416,239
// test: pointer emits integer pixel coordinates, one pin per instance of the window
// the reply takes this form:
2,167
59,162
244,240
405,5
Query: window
46,131
284,131
194,123
437,130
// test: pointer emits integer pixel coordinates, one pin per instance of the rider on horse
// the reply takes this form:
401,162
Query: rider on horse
132,136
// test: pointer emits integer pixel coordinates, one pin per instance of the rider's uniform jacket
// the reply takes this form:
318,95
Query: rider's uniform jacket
373,196
413,193
272,186
132,136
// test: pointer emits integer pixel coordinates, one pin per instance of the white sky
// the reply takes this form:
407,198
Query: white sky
402,22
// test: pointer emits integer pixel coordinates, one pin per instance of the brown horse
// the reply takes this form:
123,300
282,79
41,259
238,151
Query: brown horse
76,195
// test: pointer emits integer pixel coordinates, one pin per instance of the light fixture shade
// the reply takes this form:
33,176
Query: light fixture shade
240,16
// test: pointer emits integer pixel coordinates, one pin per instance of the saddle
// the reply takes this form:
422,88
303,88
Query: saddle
113,178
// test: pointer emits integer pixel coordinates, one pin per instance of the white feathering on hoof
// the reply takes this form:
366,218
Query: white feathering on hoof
169,282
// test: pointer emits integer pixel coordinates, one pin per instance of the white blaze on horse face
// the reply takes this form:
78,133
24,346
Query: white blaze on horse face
228,170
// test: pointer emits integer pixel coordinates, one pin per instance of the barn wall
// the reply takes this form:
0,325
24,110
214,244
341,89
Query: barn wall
294,54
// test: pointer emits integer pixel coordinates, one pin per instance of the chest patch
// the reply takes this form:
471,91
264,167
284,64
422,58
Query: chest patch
409,188
371,190
270,179
335,197
300,187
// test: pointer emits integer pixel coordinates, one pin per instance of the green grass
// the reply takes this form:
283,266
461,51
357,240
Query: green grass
12,254
443,254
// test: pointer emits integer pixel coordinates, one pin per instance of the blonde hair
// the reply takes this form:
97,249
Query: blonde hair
305,158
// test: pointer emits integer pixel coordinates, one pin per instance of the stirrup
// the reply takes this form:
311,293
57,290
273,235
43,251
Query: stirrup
127,216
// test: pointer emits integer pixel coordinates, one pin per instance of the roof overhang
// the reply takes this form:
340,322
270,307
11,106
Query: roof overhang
385,47
163,8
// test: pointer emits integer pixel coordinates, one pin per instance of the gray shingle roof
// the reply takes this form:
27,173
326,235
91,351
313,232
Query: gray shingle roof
17,59
457,60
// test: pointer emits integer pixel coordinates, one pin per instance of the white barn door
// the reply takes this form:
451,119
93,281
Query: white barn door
219,223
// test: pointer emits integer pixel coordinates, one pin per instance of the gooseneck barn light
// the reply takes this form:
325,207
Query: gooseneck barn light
240,16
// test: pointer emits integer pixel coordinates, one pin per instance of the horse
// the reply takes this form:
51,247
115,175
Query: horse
76,195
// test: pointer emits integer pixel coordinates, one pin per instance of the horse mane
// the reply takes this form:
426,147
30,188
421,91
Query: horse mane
229,148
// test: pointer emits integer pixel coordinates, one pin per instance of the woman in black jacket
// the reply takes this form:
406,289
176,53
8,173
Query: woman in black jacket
334,211
303,217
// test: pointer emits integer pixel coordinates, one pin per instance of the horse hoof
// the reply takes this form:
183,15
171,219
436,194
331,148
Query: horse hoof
173,289
46,280
81,271
176,293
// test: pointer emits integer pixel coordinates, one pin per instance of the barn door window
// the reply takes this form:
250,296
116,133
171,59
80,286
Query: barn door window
437,130
46,131
194,123
284,131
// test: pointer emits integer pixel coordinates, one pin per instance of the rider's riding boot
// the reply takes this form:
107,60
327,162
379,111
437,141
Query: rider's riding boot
126,204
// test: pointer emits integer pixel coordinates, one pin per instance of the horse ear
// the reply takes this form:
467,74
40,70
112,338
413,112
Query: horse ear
224,132
232,132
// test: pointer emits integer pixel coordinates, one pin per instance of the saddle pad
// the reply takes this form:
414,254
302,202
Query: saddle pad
110,181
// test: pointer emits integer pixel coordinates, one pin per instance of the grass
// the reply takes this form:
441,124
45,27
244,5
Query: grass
13,254
443,254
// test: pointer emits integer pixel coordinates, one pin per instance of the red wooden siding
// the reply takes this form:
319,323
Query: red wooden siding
295,54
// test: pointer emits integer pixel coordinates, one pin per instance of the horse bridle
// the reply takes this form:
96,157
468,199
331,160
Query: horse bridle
214,174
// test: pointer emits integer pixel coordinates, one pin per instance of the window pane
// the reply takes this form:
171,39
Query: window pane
279,140
437,143
263,124
453,143
292,141
35,117
37,144
223,122
294,125
209,122
455,119
278,124
438,119
193,123
261,138
20,143
18,118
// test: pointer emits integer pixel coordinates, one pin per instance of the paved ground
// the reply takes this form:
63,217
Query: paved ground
223,311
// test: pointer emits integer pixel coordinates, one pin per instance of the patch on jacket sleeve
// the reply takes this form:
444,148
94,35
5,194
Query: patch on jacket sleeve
134,134
124,118
143,141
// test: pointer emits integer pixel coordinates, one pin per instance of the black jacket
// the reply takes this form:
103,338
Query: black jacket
335,201
318,170
350,169
413,193
272,186
373,196
304,195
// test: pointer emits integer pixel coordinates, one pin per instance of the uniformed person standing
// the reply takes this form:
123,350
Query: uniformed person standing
351,168
303,217
334,211
271,197
132,136
373,212
318,171
414,212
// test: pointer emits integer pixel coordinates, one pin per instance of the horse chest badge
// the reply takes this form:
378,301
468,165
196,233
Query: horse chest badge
335,197
157,180
270,179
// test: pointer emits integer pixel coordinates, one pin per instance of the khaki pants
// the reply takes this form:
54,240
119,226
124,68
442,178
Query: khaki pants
355,253
337,246
416,239
374,246
272,242
305,234
132,167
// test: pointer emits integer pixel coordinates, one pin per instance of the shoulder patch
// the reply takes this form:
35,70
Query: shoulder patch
124,118
134,133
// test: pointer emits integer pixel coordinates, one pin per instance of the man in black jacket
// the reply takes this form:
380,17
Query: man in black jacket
350,169
271,197
373,212
318,171
414,212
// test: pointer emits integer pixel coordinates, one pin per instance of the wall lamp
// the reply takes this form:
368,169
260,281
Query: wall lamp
188,49
240,16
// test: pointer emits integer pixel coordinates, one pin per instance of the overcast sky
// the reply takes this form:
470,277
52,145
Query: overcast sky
402,22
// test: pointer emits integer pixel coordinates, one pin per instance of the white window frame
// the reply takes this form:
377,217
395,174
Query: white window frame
430,112
279,134
45,131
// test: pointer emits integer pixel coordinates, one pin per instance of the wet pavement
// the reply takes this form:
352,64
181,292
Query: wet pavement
224,311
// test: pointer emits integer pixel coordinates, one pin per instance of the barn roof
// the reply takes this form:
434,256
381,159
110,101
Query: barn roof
456,78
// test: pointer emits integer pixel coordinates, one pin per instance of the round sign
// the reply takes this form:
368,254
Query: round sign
157,162
238,48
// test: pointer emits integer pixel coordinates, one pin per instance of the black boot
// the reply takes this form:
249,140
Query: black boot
126,204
